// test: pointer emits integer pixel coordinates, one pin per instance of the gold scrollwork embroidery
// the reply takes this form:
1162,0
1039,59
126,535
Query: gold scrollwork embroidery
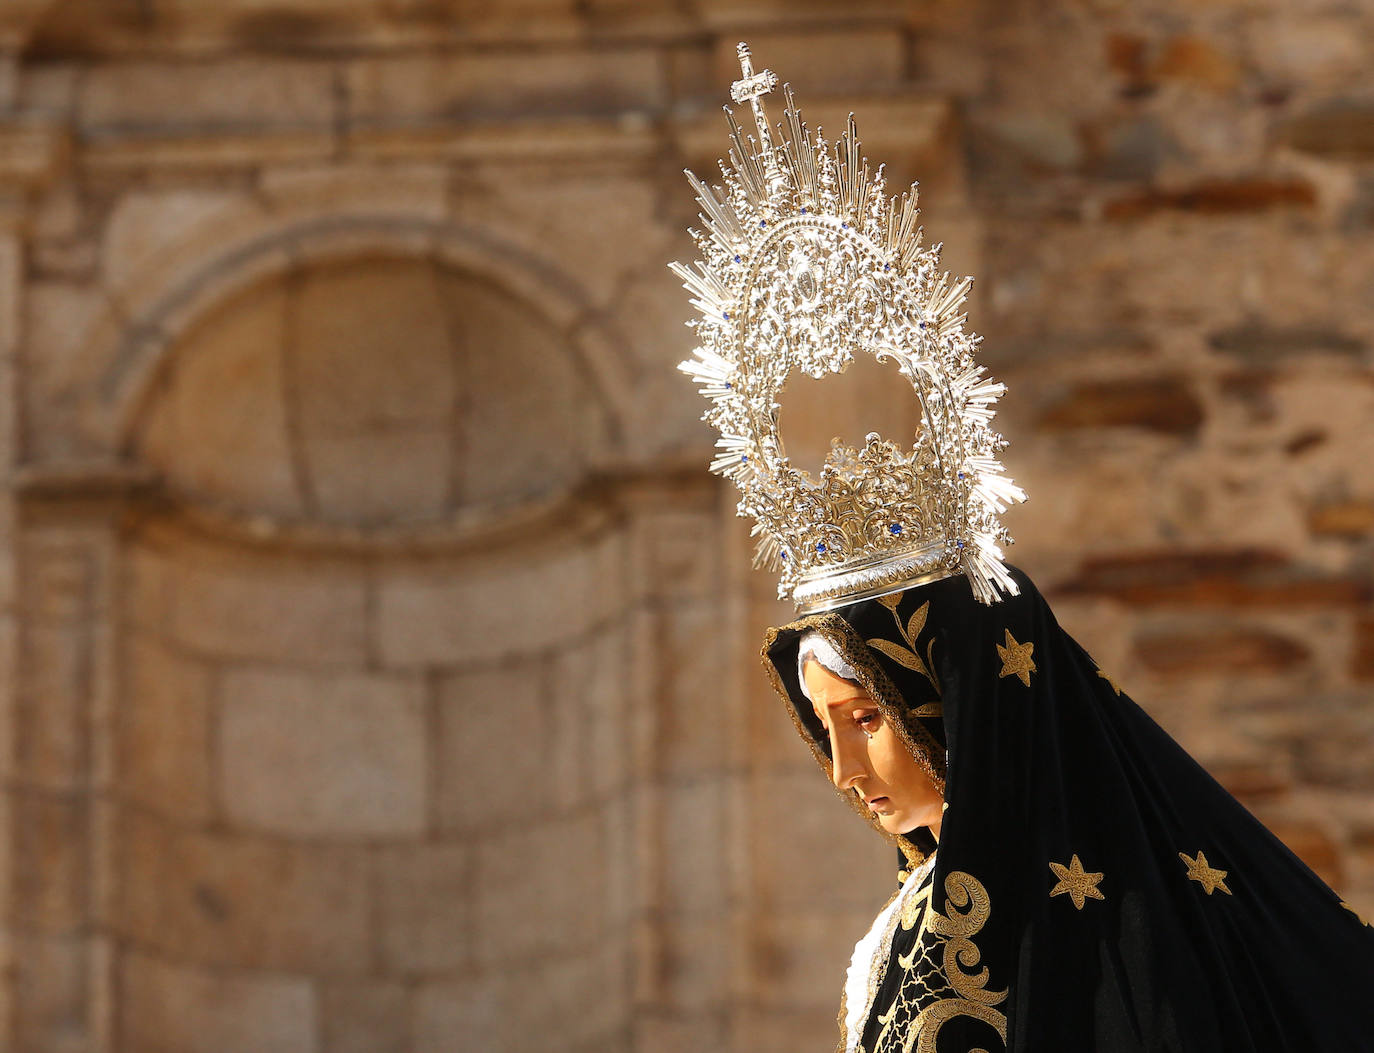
968,908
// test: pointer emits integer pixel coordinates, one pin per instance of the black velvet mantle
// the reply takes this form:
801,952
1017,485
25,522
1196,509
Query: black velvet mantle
1203,932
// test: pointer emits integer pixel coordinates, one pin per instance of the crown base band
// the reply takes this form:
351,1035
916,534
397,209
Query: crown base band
844,586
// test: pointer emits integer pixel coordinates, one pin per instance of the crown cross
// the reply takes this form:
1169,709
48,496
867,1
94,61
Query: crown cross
750,88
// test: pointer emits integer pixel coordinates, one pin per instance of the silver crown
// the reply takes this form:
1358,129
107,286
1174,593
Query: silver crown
807,263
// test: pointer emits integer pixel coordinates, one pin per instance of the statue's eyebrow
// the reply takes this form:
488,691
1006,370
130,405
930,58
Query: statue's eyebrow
862,696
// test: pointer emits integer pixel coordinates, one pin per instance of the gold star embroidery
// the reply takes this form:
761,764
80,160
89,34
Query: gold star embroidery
1208,877
1108,677
1016,658
1079,885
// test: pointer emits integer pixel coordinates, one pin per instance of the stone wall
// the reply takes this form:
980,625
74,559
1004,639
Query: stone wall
380,663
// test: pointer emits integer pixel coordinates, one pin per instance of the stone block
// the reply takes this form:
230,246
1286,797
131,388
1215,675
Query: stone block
507,606
819,59
1165,405
59,212
49,88
808,847
689,958
223,94
1197,61
695,854
798,960
626,846
1218,650
424,907
51,990
1320,50
58,360
171,1007
590,683
383,477
371,347
216,423
1212,577
544,378
162,730
1352,520
597,229
235,607
1327,738
51,860
316,754
1259,343
363,1016
1362,656
411,190
232,900
216,149
76,262
1046,140
9,655
570,729
1337,131
143,588
52,742
694,680
677,552
1214,197
666,1031
583,1000
483,714
607,692
490,84
539,888
144,224
768,1030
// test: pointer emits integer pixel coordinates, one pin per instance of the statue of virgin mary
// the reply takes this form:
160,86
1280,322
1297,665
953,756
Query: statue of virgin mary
1071,879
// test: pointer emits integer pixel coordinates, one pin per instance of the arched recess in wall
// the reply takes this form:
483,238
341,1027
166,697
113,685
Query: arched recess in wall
372,649
372,392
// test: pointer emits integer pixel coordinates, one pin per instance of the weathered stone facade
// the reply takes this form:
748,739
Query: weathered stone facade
380,663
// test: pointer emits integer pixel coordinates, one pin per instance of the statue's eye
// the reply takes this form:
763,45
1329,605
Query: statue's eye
869,721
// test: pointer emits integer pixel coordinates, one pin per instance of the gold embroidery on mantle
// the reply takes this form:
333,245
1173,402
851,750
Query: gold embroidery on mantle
1079,884
1210,878
1016,659
908,656
958,991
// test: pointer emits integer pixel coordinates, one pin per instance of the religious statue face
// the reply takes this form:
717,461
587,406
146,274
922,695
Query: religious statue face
869,756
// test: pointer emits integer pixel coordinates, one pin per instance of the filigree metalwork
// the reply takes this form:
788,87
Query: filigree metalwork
805,264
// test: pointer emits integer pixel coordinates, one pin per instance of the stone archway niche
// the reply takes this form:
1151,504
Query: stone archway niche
371,392
343,716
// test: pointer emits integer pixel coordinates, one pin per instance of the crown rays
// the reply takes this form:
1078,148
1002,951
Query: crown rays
805,261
